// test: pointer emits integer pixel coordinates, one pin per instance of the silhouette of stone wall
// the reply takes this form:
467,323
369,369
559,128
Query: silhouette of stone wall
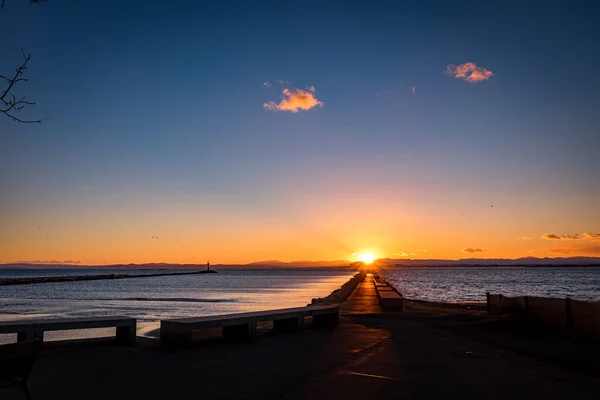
585,317
493,303
547,311
579,317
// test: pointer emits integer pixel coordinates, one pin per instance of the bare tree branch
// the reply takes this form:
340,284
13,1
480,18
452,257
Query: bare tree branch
31,1
9,104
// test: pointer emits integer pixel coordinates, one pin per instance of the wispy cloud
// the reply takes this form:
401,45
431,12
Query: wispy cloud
413,89
576,236
49,262
294,100
472,250
524,238
560,251
267,84
552,236
402,254
579,250
469,72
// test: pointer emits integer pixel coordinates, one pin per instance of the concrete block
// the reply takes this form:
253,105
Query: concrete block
390,301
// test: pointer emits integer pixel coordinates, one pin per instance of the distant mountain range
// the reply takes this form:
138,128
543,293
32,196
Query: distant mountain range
389,262
523,261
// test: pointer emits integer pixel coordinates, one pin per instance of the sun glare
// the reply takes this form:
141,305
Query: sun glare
367,258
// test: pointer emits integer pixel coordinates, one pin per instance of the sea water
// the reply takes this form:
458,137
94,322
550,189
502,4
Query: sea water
471,283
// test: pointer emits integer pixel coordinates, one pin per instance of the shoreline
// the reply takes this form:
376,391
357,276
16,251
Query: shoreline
76,278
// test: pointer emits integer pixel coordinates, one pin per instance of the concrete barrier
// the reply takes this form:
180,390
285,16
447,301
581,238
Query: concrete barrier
510,305
33,329
493,303
579,317
584,317
178,332
390,300
547,311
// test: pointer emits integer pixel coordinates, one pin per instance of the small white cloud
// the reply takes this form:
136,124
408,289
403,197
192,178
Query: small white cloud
524,238
267,84
413,89
469,72
294,100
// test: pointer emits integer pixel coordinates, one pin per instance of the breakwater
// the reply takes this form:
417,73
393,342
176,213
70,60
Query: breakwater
52,279
339,295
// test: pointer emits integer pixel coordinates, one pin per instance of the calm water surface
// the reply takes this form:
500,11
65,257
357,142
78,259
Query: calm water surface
156,298
471,283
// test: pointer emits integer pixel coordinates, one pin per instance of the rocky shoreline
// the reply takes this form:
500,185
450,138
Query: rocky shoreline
339,295
75,278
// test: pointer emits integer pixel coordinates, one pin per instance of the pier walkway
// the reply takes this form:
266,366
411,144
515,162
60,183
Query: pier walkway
363,299
370,355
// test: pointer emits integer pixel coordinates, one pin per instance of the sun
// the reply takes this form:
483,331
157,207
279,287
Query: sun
367,258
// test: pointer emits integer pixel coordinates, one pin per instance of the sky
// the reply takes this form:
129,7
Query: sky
234,132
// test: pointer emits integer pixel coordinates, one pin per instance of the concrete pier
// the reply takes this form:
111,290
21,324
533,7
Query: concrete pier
369,355
363,299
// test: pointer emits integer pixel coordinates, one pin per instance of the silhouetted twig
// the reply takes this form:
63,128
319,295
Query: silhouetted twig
9,103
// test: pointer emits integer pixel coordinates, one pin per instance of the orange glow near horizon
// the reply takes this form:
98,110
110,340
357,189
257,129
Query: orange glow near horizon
326,226
367,258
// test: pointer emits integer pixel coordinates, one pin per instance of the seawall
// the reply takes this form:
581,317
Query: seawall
579,317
